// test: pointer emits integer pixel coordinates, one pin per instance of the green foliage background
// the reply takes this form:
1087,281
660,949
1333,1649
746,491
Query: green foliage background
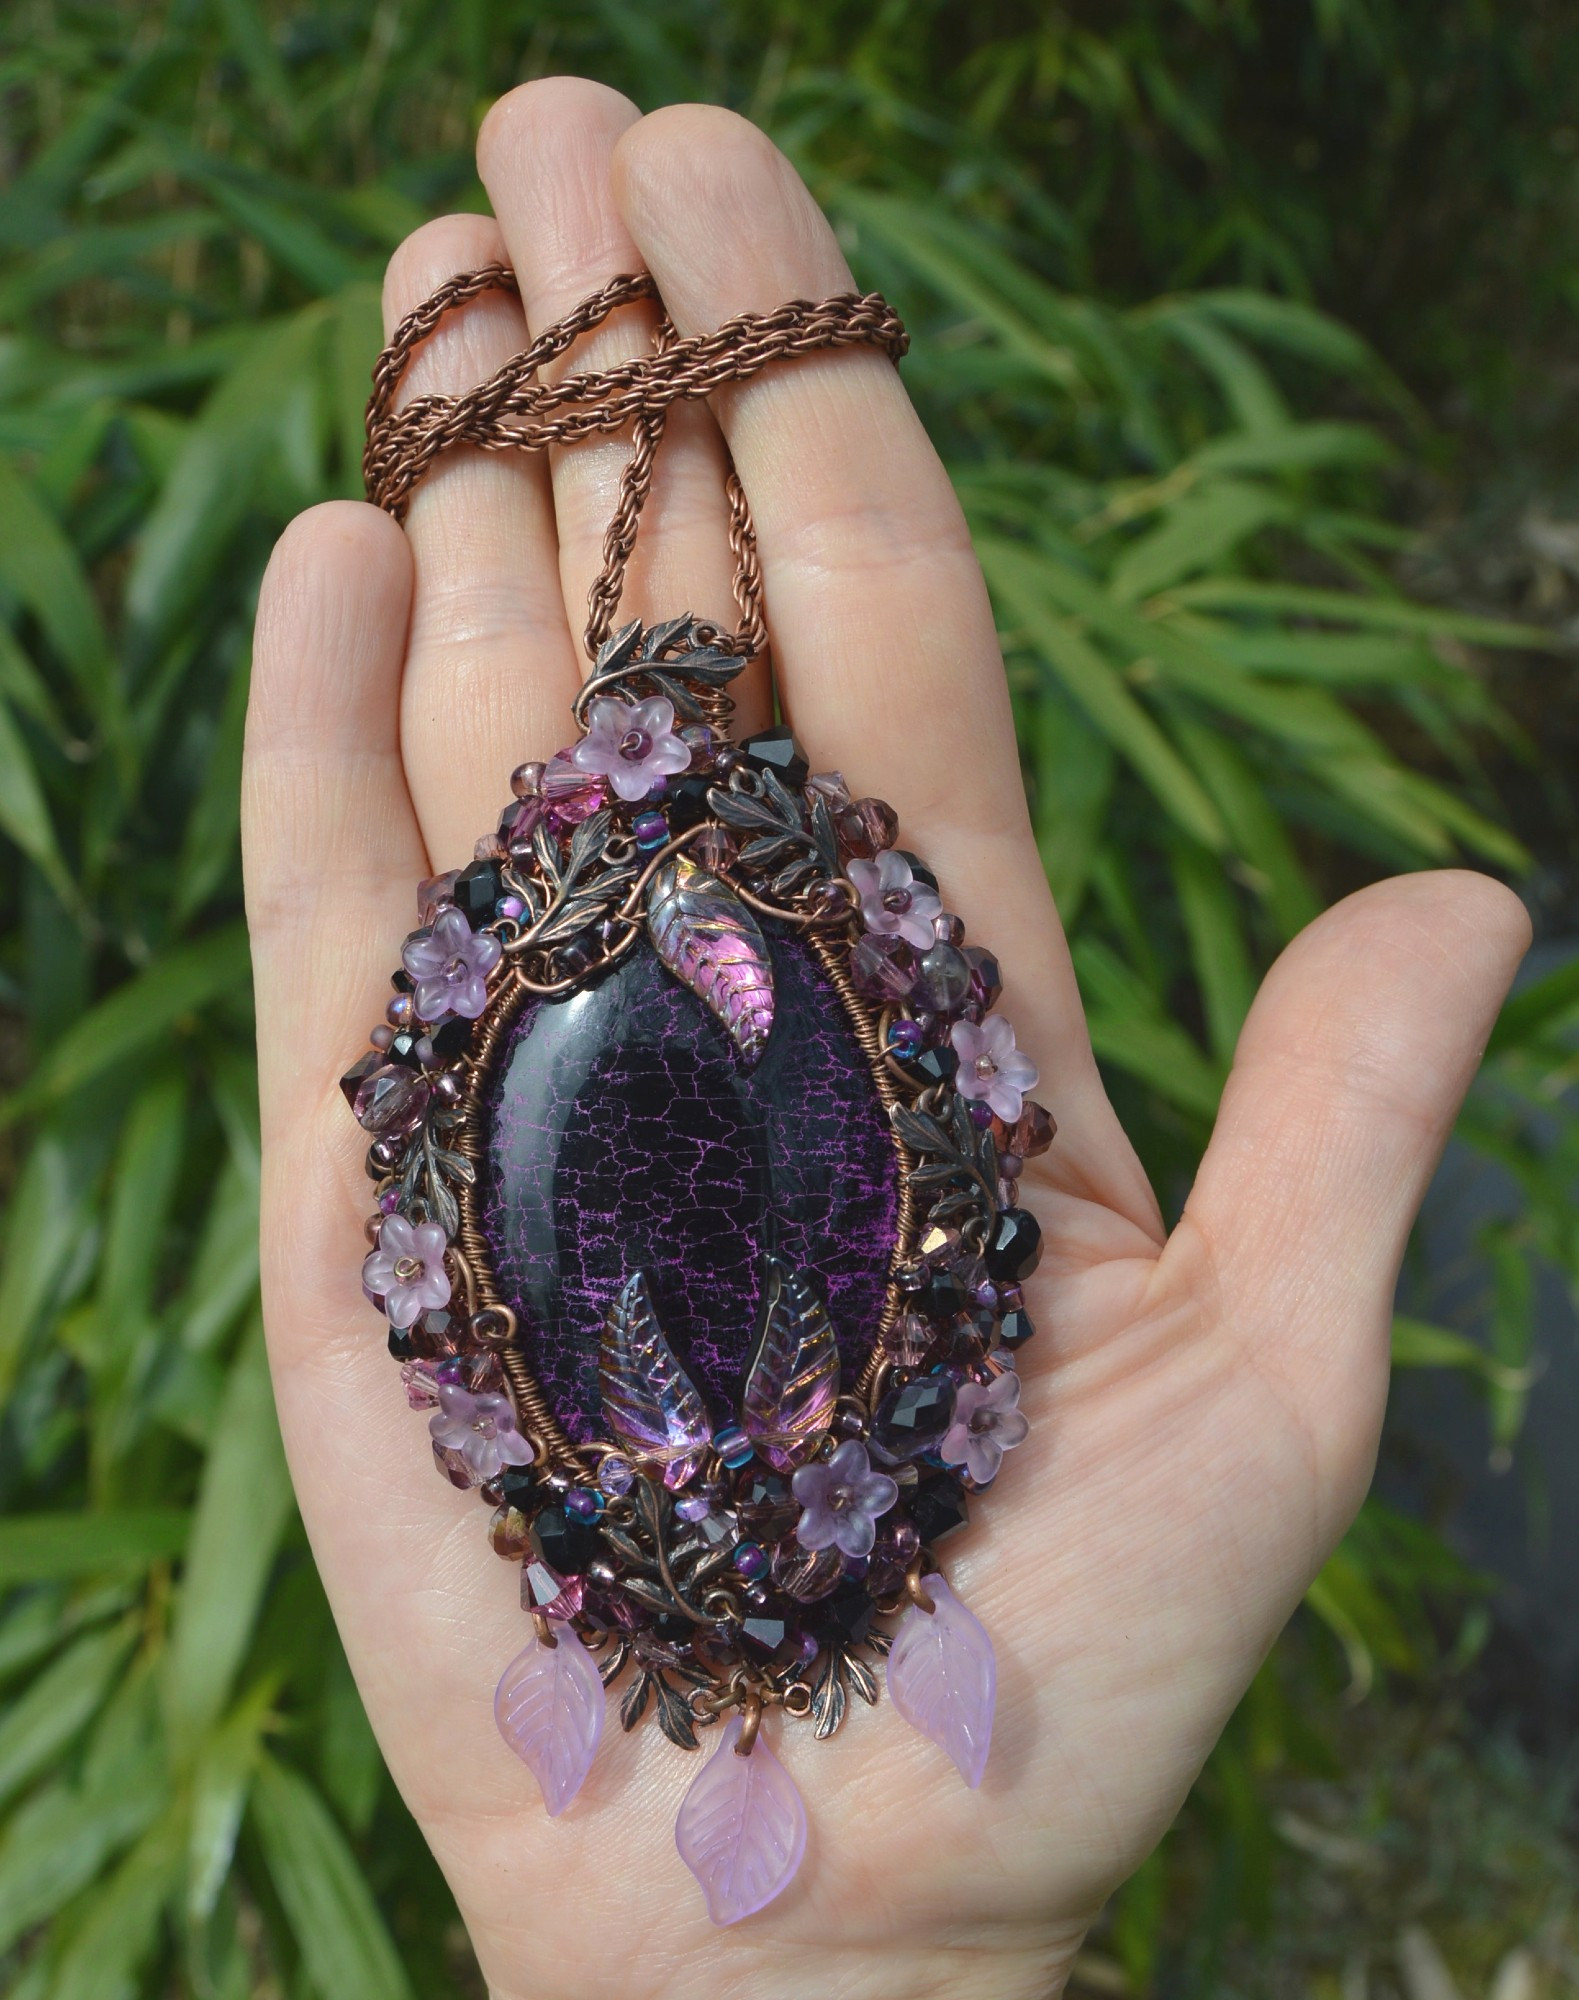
1109,229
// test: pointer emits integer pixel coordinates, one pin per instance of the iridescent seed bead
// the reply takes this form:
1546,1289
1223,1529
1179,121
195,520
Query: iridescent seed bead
733,1446
585,1501
526,780
980,1113
751,1559
651,830
398,1012
511,907
948,929
904,1039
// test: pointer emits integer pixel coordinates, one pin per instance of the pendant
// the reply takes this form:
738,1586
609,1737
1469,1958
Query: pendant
696,1141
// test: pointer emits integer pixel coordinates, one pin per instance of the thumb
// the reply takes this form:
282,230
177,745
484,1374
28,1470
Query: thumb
1348,1075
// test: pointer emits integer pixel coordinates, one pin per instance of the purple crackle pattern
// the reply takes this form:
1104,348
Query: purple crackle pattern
625,1133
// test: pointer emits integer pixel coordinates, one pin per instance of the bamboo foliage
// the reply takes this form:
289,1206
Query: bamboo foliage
1212,671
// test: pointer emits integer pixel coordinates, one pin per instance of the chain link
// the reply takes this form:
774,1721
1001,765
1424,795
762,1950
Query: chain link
514,411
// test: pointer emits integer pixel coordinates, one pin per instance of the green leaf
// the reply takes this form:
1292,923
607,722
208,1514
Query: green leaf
136,1016
221,1783
37,1546
211,485
1200,531
24,813
1419,1344
224,1270
142,1187
1129,1031
60,1839
1074,768
1534,1009
1017,580
1346,607
48,1218
208,846
42,570
119,1926
57,1704
243,1505
1218,951
344,1944
1273,869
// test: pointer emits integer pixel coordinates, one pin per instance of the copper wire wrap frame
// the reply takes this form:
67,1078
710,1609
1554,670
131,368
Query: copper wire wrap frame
474,1263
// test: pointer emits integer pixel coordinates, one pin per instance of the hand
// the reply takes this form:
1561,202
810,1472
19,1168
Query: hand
1205,1404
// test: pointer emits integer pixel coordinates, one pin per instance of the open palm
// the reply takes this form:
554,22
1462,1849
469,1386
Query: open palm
1205,1404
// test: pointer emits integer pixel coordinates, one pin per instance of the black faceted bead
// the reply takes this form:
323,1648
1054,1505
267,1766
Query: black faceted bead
768,1631
403,1049
943,1298
1014,1248
937,1507
451,1039
1016,1327
477,889
938,1065
400,1343
518,1488
685,799
564,1541
920,870
777,751
912,1418
845,1618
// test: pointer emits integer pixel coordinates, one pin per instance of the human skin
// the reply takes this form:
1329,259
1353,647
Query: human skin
1205,1403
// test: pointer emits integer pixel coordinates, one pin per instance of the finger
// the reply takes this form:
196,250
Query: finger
544,154
331,843
332,850
491,671
885,650
1348,1076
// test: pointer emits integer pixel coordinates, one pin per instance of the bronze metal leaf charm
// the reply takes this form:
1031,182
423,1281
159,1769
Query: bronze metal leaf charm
711,942
651,1404
792,1383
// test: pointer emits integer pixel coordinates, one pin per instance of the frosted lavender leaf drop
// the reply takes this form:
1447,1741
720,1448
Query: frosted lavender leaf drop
549,1709
741,1829
943,1678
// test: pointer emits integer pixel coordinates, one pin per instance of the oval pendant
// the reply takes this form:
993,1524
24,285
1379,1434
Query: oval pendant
696,1139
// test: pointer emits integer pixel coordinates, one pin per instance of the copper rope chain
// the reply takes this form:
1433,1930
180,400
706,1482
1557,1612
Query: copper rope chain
513,411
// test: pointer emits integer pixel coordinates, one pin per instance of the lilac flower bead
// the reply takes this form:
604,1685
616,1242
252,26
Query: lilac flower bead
893,902
991,1069
481,1428
841,1500
407,1271
987,1422
450,968
633,745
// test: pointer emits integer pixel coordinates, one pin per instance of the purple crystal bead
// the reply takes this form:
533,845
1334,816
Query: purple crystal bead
883,968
